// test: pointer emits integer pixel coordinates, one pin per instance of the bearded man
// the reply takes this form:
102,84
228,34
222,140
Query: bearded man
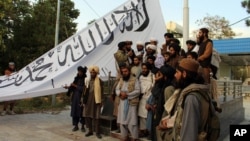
188,107
128,89
175,57
146,81
205,53
92,108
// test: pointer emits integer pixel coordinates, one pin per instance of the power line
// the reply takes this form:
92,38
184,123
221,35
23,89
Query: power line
91,8
239,21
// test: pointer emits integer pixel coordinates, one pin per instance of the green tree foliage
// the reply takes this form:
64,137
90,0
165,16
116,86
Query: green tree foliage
34,29
218,27
5,6
37,34
11,17
246,4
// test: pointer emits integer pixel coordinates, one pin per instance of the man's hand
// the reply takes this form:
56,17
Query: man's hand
163,124
123,95
148,107
66,86
73,85
130,53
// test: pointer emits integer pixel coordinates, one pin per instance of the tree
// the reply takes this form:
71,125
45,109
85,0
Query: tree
10,18
246,4
33,29
5,8
218,27
36,35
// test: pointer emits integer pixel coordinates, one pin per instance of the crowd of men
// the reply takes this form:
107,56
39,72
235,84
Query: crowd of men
155,95
156,90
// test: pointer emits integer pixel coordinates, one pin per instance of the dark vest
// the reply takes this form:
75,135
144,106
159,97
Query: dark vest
206,62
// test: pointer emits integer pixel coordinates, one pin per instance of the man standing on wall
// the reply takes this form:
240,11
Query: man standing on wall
205,53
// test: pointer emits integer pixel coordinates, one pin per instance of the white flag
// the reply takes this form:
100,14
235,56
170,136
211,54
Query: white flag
135,20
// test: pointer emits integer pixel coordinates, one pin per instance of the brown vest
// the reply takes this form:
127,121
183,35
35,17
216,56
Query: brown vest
204,111
206,62
131,87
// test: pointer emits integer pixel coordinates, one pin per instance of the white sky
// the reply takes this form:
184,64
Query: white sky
173,11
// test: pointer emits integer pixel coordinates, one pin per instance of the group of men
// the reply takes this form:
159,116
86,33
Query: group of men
158,89
86,100
156,94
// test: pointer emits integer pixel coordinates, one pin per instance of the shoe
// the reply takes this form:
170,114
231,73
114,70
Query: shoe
89,134
149,137
98,136
12,112
83,129
118,131
75,128
3,113
143,133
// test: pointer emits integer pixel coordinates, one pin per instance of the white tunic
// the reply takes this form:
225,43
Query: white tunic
146,84
131,118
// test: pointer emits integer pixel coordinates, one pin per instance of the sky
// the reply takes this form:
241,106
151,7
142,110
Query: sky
173,11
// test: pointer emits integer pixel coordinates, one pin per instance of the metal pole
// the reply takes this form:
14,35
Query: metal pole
185,23
56,39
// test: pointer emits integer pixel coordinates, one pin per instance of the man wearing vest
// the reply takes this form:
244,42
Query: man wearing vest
192,106
128,89
205,53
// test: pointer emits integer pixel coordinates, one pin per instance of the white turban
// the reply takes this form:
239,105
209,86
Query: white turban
139,43
152,39
153,47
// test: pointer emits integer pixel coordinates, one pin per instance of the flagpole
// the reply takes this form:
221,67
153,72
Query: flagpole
56,40
185,23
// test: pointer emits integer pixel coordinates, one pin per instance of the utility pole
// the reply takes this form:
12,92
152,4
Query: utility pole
56,39
185,23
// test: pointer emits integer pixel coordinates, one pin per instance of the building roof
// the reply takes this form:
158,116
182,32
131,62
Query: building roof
235,52
233,46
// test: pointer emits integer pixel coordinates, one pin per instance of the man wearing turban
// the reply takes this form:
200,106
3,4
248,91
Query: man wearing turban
94,92
75,90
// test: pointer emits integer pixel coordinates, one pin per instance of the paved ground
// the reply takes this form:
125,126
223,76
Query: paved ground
246,105
56,127
42,127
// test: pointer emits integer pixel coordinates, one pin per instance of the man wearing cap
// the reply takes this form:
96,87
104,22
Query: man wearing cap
75,90
130,52
205,53
92,107
191,46
128,89
190,111
11,69
121,57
